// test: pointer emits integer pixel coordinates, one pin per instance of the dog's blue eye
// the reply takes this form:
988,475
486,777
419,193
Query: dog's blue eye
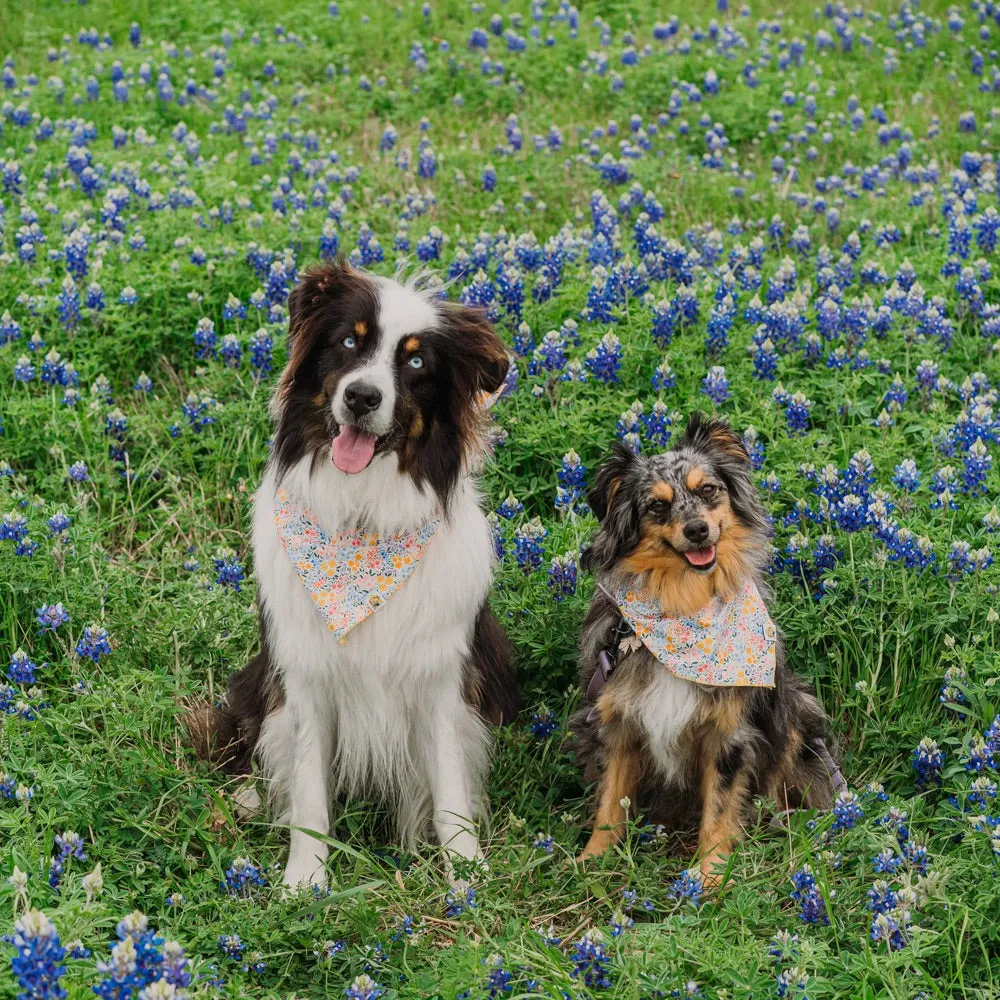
350,343
416,361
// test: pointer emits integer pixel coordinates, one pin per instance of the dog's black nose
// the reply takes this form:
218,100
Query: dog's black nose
696,532
362,398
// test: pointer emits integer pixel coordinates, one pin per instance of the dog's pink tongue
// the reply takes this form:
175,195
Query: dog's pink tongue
352,449
701,557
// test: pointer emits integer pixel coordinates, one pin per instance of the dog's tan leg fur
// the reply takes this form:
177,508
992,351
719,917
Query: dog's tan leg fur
722,820
620,780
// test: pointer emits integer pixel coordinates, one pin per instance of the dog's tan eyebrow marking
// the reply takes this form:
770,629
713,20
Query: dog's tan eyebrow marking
361,328
411,345
663,491
319,400
695,478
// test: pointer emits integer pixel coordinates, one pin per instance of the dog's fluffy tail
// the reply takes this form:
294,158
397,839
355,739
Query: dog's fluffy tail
491,685
226,734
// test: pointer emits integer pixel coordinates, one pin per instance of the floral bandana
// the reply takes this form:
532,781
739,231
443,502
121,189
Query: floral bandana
727,644
348,574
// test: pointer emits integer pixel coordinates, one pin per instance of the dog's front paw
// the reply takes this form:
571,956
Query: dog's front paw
301,874
246,802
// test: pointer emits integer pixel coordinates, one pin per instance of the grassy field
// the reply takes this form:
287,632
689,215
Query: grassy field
807,200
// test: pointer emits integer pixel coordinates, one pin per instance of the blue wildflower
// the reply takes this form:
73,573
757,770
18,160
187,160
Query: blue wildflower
93,644
37,963
228,569
927,762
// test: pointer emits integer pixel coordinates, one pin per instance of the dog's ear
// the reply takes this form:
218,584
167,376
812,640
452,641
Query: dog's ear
479,359
709,434
615,508
609,478
718,440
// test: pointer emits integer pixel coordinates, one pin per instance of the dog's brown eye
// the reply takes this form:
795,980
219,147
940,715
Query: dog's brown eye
660,509
709,490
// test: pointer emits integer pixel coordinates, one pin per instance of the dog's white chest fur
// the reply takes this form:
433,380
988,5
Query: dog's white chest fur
377,704
663,713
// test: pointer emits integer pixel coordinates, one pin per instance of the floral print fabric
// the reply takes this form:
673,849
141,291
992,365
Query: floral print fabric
727,644
348,574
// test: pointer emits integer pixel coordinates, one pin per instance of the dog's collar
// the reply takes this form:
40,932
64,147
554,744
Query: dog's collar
348,574
727,644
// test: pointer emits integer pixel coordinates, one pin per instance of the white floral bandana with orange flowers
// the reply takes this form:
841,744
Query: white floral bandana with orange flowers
348,574
728,644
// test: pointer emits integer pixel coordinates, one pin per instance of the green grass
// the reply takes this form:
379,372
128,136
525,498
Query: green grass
106,754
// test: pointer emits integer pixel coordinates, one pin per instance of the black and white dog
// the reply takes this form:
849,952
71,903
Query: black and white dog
380,430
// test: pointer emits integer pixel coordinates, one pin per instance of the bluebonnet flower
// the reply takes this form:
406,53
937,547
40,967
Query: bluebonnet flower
890,927
13,527
663,377
851,513
664,318
656,425
978,463
784,946
812,906
754,447
562,576
51,616
528,544
232,946
928,759
24,370
242,877
69,304
143,383
792,979
604,362
58,523
797,413
952,692
906,475
543,842
228,569
771,483
460,901
38,957
543,724
715,385
205,338
93,644
688,886
765,360
619,923
572,472
261,348
590,961
10,329
231,351
233,308
510,508
978,758
128,296
847,810
916,857
886,862
69,845
363,988
719,323
21,669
